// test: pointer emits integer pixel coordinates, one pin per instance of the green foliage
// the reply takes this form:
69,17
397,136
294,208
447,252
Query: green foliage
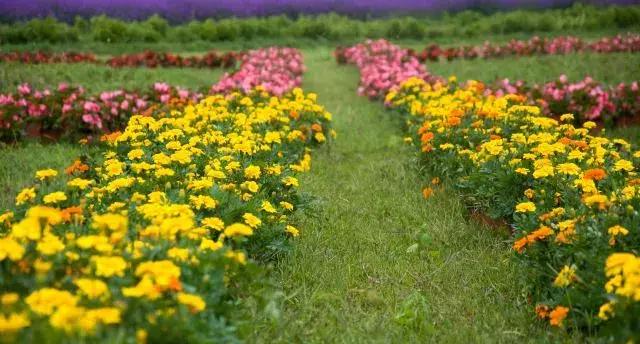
325,26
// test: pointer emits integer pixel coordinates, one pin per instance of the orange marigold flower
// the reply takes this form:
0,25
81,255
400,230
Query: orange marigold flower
426,137
68,213
316,127
557,316
427,192
520,244
453,121
594,174
76,166
110,137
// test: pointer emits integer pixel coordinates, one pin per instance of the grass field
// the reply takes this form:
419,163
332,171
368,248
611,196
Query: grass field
375,262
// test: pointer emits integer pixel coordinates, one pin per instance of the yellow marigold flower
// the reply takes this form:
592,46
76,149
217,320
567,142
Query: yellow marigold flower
46,174
213,223
238,229
589,125
286,205
565,276
251,220
238,256
192,301
26,195
623,165
543,171
179,254
182,156
9,248
268,207
616,231
13,322
599,200
135,154
292,230
525,207
568,168
92,288
54,197
144,288
111,222
45,301
141,336
50,244
8,299
252,172
105,315
290,181
522,170
208,244
79,183
566,117
203,202
109,266
606,311
251,186
557,316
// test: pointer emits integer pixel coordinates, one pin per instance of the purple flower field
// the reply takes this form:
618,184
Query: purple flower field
198,9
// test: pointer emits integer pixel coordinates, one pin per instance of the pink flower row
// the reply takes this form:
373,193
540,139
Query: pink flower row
588,99
382,65
276,69
69,110
534,46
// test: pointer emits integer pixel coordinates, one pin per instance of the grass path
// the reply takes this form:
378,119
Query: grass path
356,273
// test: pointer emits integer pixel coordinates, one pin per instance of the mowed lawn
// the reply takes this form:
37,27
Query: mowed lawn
375,261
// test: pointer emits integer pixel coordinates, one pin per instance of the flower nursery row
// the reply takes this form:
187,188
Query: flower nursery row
150,59
152,235
70,111
384,65
535,46
571,197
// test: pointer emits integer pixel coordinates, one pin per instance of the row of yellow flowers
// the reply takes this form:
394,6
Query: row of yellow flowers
571,196
147,236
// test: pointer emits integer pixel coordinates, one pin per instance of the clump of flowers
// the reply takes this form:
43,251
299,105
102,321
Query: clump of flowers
571,196
382,65
153,59
276,69
158,226
560,45
588,99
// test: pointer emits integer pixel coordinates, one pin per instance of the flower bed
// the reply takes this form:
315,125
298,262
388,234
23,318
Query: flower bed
572,197
382,65
154,59
149,237
150,59
42,57
588,99
276,69
534,46
69,111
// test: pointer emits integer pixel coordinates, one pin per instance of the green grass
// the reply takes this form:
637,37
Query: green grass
378,263
96,78
19,163
375,261
606,68
305,43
